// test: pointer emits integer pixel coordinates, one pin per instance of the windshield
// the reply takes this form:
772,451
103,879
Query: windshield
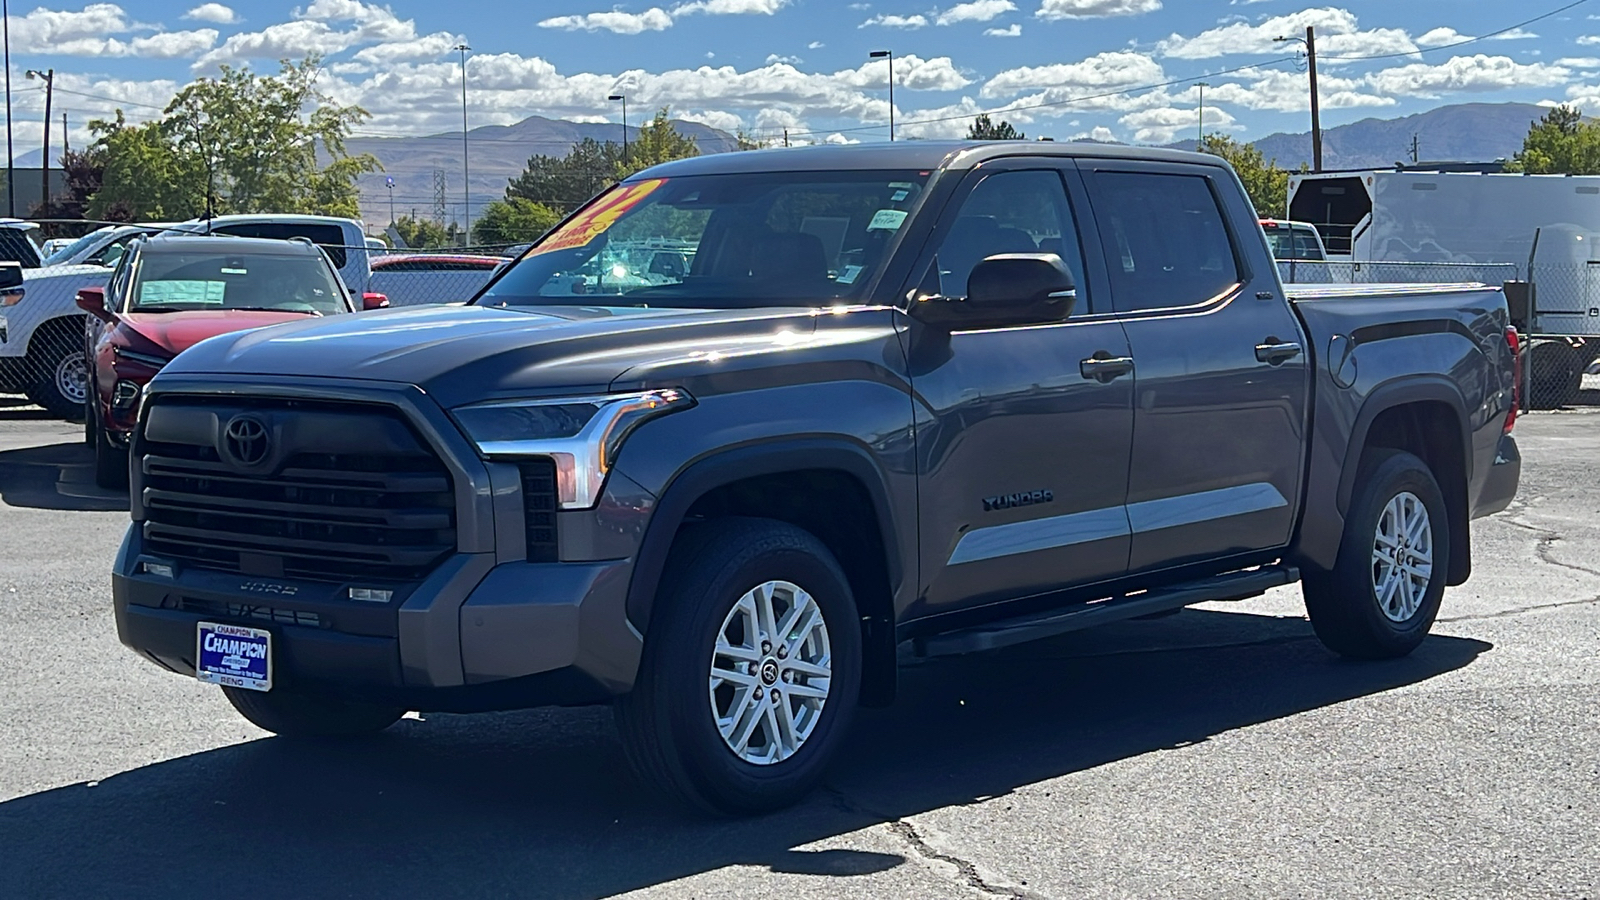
77,246
173,282
718,241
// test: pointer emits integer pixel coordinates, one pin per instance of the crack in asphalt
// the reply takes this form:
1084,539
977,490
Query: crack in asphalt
907,832
1545,551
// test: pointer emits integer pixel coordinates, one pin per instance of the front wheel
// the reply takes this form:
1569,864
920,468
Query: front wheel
751,671
303,715
60,378
1383,593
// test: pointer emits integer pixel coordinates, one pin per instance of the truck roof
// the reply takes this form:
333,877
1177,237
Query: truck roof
928,155
226,243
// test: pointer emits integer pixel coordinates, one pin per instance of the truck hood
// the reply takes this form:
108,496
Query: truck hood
470,353
178,331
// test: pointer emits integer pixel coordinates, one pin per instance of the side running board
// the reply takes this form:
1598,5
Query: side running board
1240,585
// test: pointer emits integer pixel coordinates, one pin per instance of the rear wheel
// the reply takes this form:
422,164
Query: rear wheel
60,377
1556,376
1384,592
303,715
751,673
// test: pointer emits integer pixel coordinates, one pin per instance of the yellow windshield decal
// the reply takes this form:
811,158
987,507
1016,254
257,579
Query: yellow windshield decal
593,222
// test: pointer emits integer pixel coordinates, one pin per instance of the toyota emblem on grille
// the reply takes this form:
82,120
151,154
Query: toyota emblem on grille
246,442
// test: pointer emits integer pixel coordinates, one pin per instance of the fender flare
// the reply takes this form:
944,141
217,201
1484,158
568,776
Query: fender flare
728,466
1411,389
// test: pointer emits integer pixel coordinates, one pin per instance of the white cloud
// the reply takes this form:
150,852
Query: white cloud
916,21
1338,34
1100,132
1118,69
653,19
718,119
212,12
1013,30
1466,73
791,60
88,32
430,46
731,7
1579,62
1166,124
285,40
1440,37
975,11
1095,9
815,45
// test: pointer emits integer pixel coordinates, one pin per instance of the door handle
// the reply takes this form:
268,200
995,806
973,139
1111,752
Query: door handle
1105,368
1274,352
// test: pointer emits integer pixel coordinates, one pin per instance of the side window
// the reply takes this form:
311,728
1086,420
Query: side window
1166,241
1011,212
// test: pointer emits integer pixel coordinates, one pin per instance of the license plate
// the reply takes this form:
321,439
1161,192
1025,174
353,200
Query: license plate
234,656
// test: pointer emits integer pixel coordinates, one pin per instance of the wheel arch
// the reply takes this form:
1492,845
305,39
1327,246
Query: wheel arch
1426,417
785,480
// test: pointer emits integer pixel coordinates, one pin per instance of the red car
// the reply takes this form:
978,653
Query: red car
169,293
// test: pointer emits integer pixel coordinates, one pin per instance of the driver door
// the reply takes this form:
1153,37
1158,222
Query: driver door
1022,452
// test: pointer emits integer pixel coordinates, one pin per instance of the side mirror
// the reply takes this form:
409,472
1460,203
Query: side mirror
92,300
370,300
1011,289
11,290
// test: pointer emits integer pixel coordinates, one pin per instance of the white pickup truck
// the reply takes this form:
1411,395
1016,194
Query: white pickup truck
41,333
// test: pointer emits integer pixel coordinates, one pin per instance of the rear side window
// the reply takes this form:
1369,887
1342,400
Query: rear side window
330,237
1165,238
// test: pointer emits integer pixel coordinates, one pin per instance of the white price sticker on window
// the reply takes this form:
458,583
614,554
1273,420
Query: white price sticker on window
887,220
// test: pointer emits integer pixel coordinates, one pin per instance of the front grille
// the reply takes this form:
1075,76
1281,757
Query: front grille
539,509
218,610
354,494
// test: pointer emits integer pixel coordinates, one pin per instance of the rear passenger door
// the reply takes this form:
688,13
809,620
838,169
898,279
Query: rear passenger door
1221,381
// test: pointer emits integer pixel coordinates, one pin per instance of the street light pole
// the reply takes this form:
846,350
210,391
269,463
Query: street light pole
466,168
388,182
624,98
49,77
11,166
1201,145
889,55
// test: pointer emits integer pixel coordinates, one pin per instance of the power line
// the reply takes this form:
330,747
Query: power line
1480,38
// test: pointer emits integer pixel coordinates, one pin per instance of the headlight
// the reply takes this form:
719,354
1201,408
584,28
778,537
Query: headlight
583,435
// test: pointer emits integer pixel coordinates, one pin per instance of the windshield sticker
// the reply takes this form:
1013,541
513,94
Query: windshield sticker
904,185
897,196
593,222
887,220
849,275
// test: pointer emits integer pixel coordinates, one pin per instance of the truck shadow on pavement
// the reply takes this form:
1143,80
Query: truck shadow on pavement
58,476
540,804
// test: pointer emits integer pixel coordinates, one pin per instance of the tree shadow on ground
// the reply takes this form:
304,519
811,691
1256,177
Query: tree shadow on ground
540,804
58,476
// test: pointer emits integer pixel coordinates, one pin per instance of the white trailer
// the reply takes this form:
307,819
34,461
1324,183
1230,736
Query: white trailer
1543,228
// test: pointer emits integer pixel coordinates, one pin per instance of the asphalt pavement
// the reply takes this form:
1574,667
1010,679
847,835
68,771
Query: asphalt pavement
1218,753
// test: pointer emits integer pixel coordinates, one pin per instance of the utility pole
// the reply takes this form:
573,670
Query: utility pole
466,171
1201,145
66,142
388,182
49,77
626,160
1316,100
11,166
1310,40
786,137
1416,149
889,55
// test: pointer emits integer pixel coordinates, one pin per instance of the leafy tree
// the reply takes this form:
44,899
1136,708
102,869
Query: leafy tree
251,143
83,173
513,221
746,141
657,142
1560,143
564,183
425,234
1264,181
984,130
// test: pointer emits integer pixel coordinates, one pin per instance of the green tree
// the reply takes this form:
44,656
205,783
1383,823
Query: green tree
1560,143
251,143
513,221
984,130
657,142
567,182
425,234
1264,181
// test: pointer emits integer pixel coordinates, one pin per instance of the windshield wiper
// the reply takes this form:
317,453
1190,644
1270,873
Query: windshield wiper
303,312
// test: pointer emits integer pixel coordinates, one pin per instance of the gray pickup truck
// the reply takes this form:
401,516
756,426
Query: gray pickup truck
728,439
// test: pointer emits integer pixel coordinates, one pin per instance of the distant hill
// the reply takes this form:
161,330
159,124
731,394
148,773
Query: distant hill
1468,132
499,153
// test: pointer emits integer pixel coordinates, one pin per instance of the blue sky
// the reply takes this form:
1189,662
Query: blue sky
766,65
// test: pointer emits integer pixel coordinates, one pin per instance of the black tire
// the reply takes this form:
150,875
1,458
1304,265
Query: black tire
668,725
110,461
1344,604
305,716
52,364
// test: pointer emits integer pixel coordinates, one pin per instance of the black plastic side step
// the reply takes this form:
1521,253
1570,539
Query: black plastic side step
1240,585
